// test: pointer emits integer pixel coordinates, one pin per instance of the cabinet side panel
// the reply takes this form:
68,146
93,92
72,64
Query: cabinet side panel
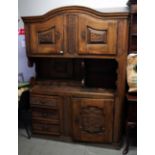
122,48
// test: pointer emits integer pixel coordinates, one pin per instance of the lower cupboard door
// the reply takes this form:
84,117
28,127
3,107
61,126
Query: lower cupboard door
92,119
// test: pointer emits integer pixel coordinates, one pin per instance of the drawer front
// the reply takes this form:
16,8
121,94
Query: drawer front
52,101
46,128
49,115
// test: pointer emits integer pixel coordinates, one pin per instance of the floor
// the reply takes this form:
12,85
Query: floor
39,146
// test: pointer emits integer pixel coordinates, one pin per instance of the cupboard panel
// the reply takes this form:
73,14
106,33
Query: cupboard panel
97,36
47,37
92,119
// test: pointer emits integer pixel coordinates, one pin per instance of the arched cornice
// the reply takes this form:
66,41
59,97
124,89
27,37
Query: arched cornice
74,9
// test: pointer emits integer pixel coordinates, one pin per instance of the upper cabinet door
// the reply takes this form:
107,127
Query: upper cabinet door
47,37
97,36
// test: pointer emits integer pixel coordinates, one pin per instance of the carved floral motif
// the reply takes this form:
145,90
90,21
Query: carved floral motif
92,119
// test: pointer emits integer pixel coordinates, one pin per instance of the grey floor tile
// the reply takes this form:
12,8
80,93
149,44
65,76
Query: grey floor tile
38,146
101,151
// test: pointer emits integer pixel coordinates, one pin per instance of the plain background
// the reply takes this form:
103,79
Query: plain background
36,7
9,77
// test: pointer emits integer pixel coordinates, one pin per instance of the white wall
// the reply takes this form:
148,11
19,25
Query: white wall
39,7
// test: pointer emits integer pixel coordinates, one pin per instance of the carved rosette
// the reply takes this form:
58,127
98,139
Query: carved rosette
92,119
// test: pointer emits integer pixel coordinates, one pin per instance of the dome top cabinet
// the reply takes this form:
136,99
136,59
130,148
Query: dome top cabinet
76,32
80,58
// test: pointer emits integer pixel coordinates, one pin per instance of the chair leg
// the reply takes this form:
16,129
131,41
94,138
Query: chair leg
27,130
126,149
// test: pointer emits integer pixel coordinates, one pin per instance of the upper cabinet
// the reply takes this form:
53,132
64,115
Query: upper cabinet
47,37
75,32
97,36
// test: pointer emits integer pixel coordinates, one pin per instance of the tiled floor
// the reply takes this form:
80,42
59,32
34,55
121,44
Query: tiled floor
38,146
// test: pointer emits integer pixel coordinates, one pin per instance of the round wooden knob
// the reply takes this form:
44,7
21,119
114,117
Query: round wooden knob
61,52
83,82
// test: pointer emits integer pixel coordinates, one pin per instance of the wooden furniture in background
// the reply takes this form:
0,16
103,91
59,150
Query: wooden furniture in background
80,58
131,121
133,26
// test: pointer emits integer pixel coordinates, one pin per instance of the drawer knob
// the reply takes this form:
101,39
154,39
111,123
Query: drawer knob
61,52
83,82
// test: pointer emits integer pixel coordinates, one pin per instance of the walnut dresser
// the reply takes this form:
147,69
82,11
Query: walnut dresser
80,61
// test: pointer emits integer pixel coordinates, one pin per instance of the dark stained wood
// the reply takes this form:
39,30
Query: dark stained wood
48,113
121,78
46,101
131,99
90,117
68,56
68,88
72,33
50,129
97,36
101,77
133,26
131,120
80,58
47,37
54,69
67,122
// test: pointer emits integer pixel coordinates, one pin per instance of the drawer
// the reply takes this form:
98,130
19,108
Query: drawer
46,128
49,101
49,115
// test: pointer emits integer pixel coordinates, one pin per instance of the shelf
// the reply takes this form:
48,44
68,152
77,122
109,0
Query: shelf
70,88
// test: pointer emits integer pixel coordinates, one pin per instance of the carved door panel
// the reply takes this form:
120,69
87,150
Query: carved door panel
47,37
92,119
97,36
